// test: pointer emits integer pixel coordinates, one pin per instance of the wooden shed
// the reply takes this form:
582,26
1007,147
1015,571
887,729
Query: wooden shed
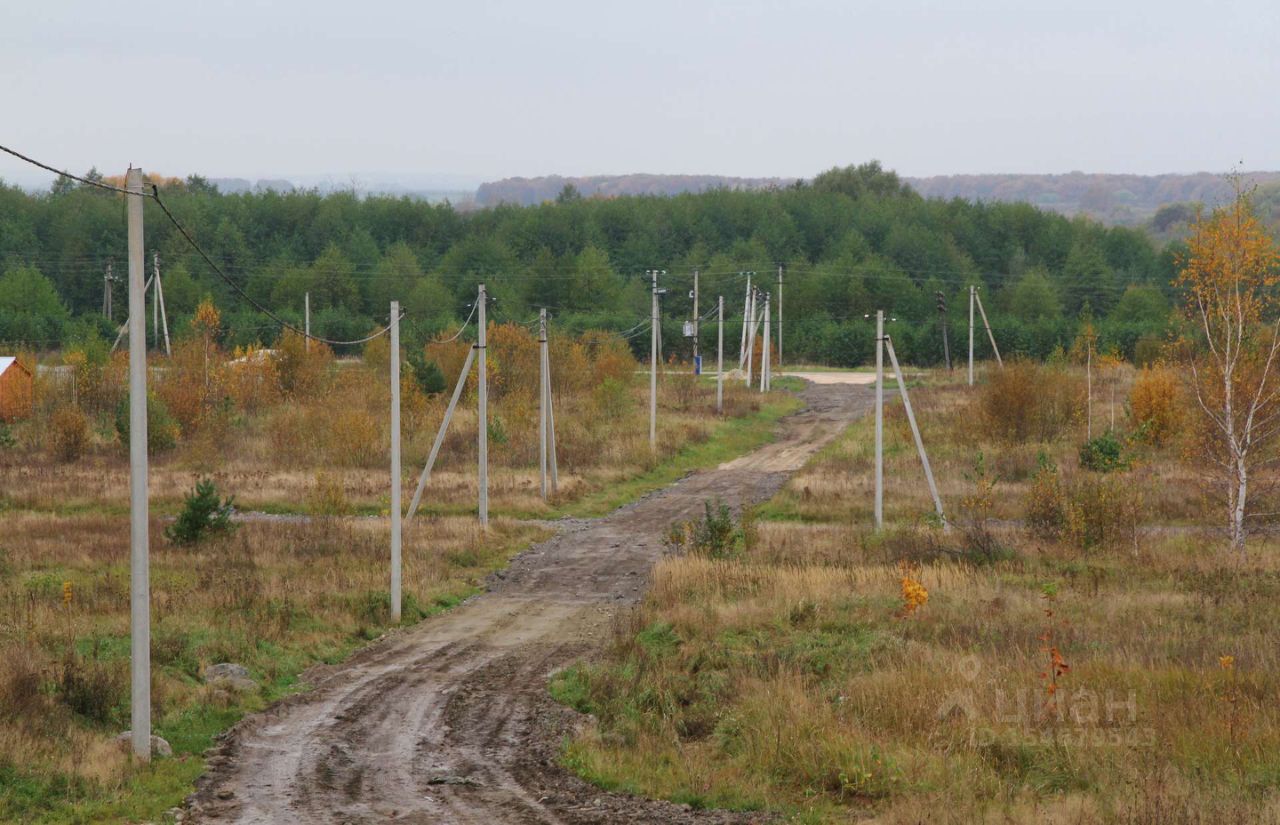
15,389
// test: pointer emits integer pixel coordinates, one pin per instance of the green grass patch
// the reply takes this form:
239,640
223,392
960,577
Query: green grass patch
730,438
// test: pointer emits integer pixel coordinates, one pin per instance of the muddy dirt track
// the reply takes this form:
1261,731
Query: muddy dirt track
450,721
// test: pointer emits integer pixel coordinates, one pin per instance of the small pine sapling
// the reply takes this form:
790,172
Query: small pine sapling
203,514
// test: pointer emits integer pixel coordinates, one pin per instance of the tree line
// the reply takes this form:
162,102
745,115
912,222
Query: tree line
849,241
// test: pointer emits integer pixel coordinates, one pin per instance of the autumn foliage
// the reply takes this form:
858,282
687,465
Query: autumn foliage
1229,276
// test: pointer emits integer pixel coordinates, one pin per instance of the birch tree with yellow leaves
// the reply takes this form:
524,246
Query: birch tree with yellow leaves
1230,278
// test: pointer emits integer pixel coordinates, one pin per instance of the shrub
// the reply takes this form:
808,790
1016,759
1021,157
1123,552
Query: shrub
301,371
203,513
1103,512
355,438
95,690
1147,350
612,398
427,374
713,535
7,441
1156,405
162,428
1046,504
1028,401
328,496
20,683
1103,454
68,434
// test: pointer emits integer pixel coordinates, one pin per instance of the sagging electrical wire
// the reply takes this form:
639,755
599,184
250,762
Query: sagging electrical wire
86,181
155,194
461,329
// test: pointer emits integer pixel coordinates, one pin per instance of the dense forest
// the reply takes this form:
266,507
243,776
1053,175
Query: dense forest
849,241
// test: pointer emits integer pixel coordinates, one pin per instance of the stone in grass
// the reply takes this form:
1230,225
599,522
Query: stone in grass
230,677
225,669
159,747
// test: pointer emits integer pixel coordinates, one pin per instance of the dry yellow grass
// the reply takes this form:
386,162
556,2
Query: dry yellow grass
277,595
790,676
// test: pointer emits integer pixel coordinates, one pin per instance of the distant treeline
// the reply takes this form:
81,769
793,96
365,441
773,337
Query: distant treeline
849,241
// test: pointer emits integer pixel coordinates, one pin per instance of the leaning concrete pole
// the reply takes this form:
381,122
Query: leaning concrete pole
915,432
879,480
396,518
990,335
483,436
139,529
306,319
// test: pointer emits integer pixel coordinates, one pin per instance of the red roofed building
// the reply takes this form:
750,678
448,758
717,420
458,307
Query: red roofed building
15,389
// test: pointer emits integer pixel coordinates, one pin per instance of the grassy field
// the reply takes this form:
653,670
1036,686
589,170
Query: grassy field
307,440
1061,654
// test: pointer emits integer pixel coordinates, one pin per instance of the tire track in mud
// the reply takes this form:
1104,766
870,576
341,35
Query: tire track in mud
450,721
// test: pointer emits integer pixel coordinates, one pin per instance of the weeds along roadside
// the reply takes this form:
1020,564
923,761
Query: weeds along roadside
280,596
1054,658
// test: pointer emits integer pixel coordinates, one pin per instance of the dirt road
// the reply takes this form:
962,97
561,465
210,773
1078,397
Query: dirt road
450,721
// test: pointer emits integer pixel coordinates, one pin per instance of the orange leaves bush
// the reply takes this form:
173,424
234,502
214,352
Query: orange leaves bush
1027,401
68,434
1156,402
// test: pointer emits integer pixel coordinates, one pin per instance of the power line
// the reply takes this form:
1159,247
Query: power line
85,181
155,193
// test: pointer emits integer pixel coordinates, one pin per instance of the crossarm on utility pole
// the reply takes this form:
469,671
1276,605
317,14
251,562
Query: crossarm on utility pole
915,431
444,426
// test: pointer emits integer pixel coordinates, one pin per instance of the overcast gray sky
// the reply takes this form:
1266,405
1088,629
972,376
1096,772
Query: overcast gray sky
489,89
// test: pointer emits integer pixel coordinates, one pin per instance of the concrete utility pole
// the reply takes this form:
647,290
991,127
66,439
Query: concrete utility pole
915,431
973,294
1088,377
987,324
306,318
720,356
396,522
697,328
543,391
946,341
779,317
483,375
653,365
764,355
139,528
879,495
746,322
751,334
107,280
